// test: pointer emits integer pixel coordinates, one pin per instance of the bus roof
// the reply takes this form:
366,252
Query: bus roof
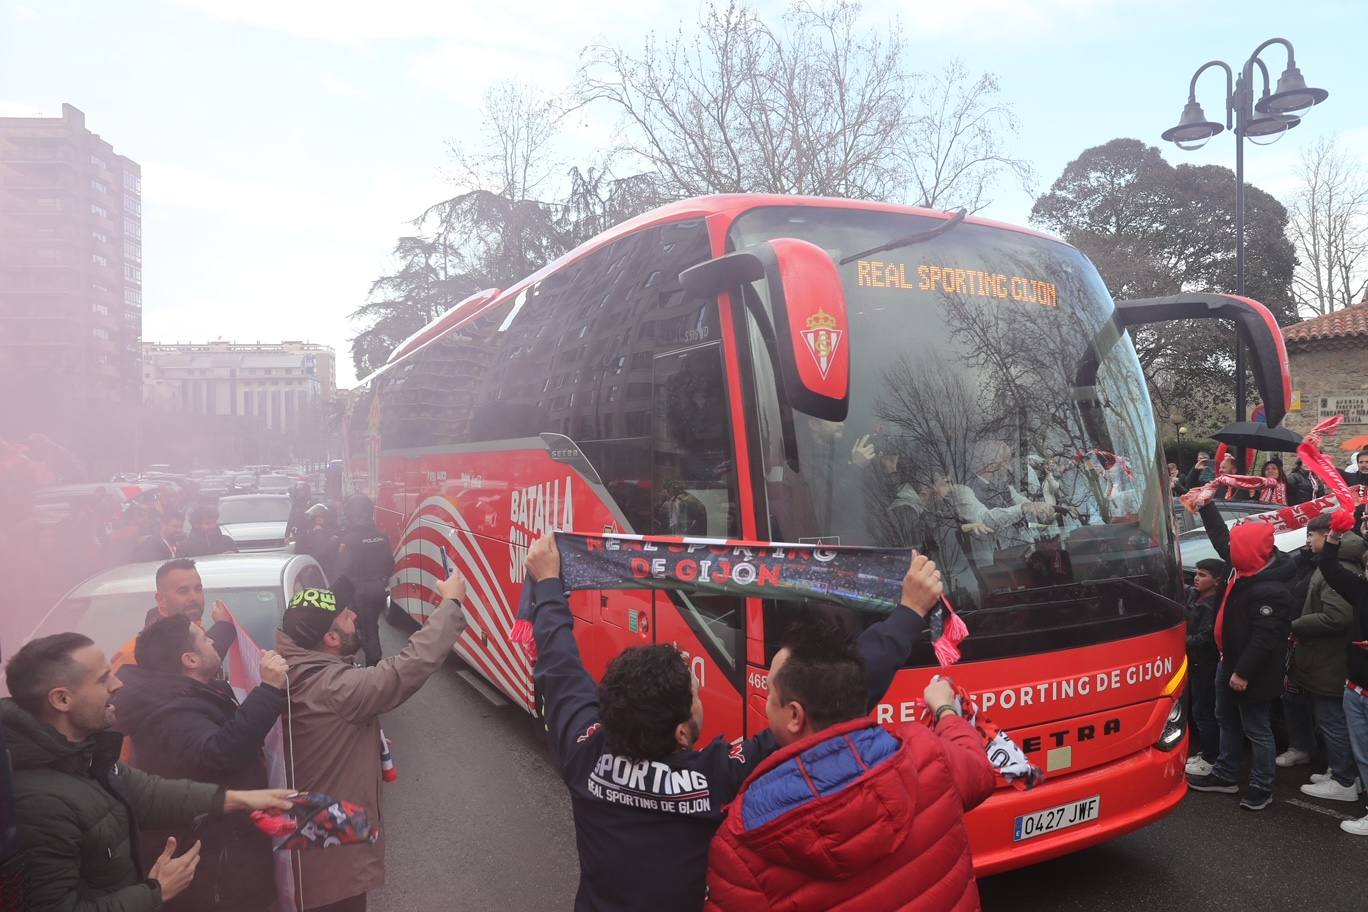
728,205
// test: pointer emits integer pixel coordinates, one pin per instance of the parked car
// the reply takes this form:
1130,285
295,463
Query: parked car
111,607
214,487
244,483
1194,545
274,484
255,522
53,504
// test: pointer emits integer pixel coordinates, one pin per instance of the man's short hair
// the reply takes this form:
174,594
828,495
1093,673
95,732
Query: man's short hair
160,646
645,694
179,563
43,665
824,672
1319,523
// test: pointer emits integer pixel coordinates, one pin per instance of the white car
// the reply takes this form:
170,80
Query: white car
111,607
255,522
1194,545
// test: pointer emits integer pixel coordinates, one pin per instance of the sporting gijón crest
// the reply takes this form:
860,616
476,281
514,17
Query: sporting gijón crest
822,339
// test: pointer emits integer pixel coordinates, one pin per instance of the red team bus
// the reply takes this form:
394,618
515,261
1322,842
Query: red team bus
827,371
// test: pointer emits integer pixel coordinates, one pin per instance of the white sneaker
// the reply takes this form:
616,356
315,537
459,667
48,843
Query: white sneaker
1196,766
1292,757
1331,791
1356,827
1321,777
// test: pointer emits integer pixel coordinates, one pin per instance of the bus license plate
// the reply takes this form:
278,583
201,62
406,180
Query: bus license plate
1049,820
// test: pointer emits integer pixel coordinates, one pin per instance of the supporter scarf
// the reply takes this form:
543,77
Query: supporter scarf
1006,756
317,821
861,578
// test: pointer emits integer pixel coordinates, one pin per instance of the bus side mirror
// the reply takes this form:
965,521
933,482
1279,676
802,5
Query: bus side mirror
811,331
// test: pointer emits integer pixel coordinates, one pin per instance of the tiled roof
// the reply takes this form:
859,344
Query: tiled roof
1351,322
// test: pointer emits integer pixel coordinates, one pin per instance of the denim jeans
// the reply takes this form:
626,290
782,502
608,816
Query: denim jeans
1356,720
1301,722
1252,719
1202,691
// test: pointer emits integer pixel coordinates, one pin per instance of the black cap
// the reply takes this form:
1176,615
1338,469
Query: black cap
310,616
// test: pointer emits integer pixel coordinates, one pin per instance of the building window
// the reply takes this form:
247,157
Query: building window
49,203
132,273
99,187
98,162
100,236
132,250
132,204
98,260
101,211
97,307
132,228
132,182
133,297
100,333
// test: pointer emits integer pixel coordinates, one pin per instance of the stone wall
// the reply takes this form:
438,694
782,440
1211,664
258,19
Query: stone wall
1330,381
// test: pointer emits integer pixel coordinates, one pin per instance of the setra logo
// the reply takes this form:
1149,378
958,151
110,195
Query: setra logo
822,338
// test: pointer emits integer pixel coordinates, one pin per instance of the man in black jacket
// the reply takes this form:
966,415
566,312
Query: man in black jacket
1354,588
1252,625
79,810
1203,599
640,791
205,536
186,723
366,558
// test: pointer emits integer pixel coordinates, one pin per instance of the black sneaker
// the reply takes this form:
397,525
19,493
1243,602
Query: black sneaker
1256,799
1213,783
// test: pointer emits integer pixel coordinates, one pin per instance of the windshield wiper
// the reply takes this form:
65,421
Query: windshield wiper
908,241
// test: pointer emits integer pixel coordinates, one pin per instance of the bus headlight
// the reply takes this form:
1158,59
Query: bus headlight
1174,728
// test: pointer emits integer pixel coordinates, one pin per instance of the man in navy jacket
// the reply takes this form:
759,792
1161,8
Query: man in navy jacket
646,801
186,723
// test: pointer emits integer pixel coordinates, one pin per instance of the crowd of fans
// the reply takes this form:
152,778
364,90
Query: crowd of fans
1269,630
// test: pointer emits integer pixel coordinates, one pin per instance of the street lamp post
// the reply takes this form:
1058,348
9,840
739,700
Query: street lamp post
1263,122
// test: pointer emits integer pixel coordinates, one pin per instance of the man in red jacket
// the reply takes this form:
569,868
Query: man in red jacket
847,815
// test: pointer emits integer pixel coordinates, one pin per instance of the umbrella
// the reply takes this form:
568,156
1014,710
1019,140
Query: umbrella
1355,443
1255,436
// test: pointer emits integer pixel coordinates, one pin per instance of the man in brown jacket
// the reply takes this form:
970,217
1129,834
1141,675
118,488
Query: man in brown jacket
334,717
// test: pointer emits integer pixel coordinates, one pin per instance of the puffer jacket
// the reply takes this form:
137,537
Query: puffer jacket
334,724
1354,588
186,729
79,811
1255,616
854,818
1323,631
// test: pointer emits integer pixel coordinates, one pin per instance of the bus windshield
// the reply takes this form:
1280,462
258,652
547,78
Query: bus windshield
998,422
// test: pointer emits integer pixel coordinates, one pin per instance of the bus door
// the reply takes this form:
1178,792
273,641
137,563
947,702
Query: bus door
693,484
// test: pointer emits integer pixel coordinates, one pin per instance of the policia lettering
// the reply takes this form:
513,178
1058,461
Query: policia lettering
650,785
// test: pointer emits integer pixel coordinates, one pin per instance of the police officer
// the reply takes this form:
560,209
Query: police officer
319,539
366,559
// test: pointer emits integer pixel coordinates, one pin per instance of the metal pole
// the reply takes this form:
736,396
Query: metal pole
1242,103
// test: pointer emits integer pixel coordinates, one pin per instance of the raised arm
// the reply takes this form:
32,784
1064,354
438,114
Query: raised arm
360,694
221,749
885,646
1216,530
1350,586
569,695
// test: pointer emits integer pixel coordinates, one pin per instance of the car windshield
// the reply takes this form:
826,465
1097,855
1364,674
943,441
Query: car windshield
274,481
113,620
998,421
254,509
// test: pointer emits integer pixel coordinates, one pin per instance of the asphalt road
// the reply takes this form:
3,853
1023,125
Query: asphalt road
479,820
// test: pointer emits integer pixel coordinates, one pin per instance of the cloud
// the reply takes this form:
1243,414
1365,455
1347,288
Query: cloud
340,88
26,14
1060,20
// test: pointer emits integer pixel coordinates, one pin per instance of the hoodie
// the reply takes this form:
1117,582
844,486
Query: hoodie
856,818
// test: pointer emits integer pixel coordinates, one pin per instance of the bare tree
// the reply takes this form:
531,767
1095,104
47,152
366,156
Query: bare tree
1329,226
820,104
515,156
957,150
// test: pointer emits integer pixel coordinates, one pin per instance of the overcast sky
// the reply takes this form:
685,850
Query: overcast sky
285,143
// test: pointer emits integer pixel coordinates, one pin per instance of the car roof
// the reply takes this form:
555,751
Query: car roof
266,496
219,571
